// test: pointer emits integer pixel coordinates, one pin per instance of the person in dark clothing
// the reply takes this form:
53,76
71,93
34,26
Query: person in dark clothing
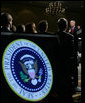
79,33
31,28
66,57
20,28
43,27
6,22
73,30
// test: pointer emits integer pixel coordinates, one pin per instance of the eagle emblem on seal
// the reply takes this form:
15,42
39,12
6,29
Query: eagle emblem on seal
30,70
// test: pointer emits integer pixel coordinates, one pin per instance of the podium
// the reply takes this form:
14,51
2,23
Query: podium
49,44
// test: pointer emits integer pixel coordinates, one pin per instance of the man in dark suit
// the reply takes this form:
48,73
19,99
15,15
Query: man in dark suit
6,22
73,30
66,57
73,27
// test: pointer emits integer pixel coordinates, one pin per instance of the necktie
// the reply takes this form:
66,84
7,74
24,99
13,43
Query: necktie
72,30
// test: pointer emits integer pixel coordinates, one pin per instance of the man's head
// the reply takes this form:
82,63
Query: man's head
72,23
62,24
21,28
6,20
31,28
43,26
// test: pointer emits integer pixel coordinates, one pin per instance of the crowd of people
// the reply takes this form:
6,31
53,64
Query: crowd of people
67,39
7,26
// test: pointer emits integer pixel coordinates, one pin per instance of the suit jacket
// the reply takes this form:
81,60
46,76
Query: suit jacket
66,42
65,57
74,33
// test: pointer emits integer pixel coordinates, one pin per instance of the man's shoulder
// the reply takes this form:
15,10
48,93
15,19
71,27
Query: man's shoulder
65,35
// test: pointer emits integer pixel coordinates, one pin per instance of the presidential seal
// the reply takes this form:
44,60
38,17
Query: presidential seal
27,70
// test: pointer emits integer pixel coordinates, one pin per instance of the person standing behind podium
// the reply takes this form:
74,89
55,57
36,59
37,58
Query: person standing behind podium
6,22
66,56
73,30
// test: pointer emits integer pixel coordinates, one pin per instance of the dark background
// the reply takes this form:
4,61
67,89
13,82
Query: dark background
27,11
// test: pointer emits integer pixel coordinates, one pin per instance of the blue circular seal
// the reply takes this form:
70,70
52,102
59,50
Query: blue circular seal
27,70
